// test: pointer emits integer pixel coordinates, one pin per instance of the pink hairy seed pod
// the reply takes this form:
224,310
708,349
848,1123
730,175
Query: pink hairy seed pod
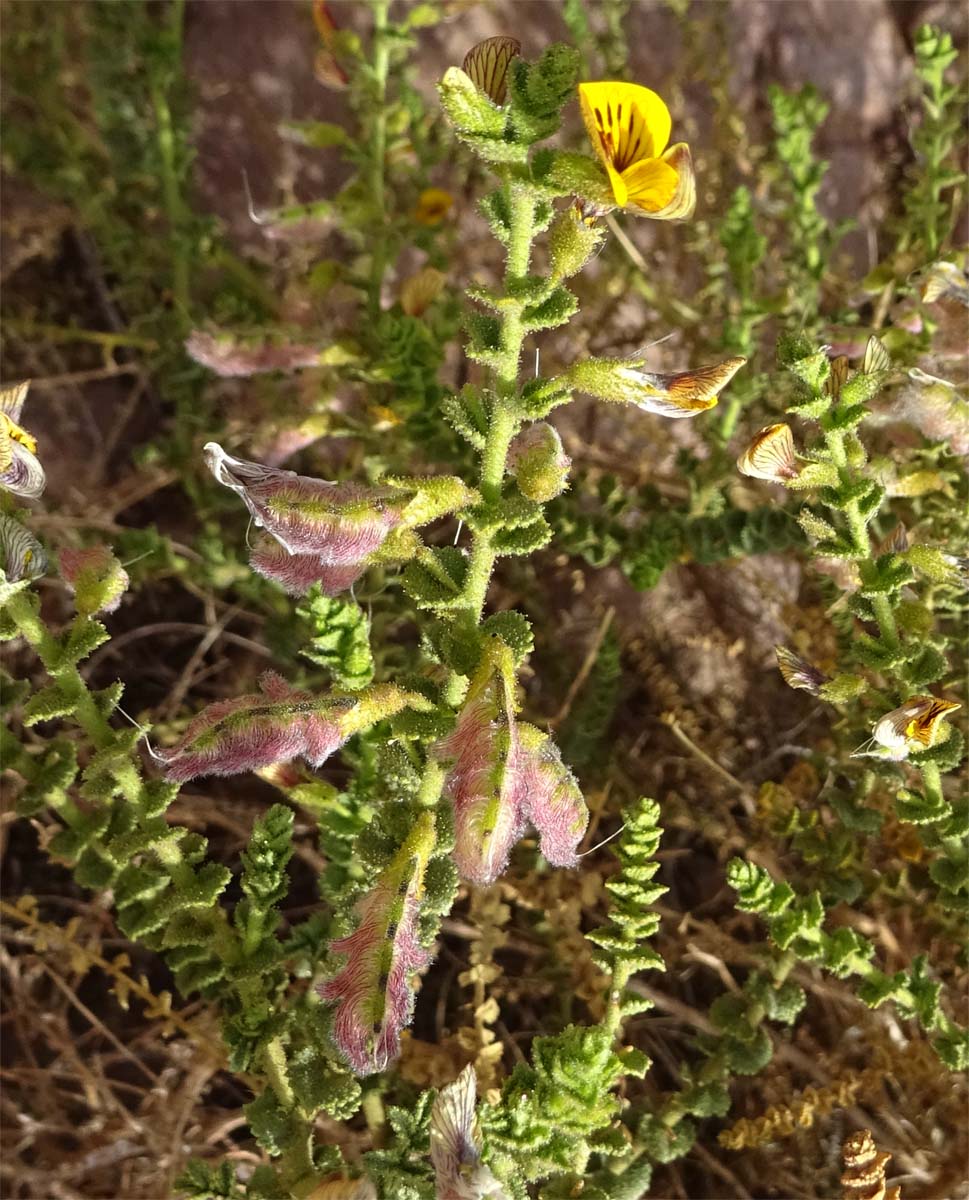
231,357
551,799
373,993
484,787
297,573
339,523
277,724
502,777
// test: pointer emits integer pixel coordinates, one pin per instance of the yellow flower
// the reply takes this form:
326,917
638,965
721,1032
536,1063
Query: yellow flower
629,127
420,291
433,205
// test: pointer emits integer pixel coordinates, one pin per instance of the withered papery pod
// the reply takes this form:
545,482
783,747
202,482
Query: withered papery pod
626,381
798,673
456,1144
504,776
418,292
486,65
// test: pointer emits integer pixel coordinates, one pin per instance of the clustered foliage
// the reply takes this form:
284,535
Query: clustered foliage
419,688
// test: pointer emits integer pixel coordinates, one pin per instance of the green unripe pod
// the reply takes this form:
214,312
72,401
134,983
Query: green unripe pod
572,242
539,463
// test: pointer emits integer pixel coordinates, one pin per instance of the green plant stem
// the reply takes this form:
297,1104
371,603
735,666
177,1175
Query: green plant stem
59,333
613,1017
834,440
887,627
378,149
296,1163
932,782
502,427
170,181
504,421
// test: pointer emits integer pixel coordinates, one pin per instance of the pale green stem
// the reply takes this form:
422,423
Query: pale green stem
932,781
502,428
170,188
613,1017
834,440
886,620
378,149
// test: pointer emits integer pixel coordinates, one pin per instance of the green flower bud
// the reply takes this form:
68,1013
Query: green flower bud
468,109
538,462
842,688
572,242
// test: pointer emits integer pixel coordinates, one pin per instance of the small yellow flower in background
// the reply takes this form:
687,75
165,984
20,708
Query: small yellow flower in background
486,65
771,455
629,127
433,205
419,291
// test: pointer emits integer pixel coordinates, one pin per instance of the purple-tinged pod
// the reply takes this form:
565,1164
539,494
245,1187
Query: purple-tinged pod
339,523
373,994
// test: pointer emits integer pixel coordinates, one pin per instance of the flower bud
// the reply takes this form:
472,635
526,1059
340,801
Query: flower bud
96,578
572,242
538,462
